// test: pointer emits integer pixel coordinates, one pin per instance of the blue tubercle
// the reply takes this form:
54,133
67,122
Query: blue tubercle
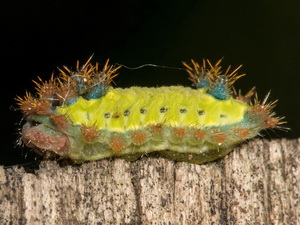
220,92
96,92
80,83
203,83
87,91
220,89
71,101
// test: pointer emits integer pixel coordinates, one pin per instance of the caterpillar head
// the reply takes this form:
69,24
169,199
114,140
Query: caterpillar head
48,132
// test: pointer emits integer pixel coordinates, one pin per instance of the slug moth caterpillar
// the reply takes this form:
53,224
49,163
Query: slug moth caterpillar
79,115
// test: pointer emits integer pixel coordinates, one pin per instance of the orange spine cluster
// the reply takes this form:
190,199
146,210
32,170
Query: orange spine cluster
65,88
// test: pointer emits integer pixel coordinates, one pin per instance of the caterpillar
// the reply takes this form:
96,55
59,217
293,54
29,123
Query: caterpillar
79,115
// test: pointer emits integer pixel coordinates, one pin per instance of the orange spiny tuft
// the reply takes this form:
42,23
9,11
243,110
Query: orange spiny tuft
212,72
199,134
26,104
89,74
110,72
179,132
197,72
263,111
244,98
157,128
271,122
46,89
30,105
215,71
219,137
259,110
242,132
43,107
89,133
138,137
60,121
117,142
85,72
263,107
66,90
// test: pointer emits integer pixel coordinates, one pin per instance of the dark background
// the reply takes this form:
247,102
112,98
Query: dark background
37,36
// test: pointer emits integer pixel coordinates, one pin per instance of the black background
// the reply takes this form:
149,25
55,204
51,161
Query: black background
39,36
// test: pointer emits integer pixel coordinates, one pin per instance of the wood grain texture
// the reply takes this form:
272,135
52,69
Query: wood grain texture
258,183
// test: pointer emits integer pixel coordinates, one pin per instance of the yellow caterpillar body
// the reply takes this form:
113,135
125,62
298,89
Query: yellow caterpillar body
79,116
122,110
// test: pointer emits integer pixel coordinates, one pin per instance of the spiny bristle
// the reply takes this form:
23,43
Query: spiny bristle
216,72
263,105
91,82
26,104
109,72
27,98
281,120
66,91
91,74
87,81
244,98
29,105
213,72
45,89
216,82
263,110
196,73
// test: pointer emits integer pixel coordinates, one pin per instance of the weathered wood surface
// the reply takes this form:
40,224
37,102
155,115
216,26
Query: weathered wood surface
258,183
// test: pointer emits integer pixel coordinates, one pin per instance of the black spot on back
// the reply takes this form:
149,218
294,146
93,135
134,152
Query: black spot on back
143,111
126,112
183,110
200,112
163,110
106,115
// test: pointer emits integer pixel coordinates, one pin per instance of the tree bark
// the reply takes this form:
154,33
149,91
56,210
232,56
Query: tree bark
258,183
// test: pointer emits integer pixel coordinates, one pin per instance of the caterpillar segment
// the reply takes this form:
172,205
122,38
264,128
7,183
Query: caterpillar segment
79,115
